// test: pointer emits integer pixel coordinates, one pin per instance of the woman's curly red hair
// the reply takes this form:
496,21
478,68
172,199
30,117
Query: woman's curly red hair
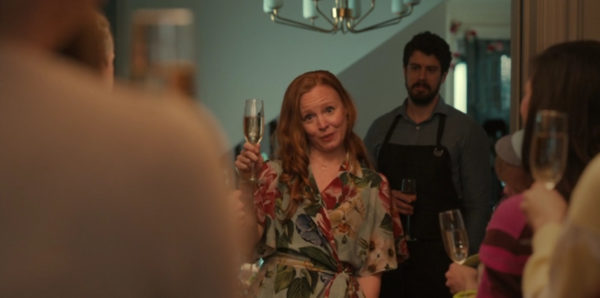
293,146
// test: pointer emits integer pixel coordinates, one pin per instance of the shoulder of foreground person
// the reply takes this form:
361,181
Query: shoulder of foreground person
585,205
130,187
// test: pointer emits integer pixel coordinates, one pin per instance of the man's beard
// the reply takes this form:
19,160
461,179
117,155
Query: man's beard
423,99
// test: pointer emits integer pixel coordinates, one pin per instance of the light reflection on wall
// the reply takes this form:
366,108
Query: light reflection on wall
460,87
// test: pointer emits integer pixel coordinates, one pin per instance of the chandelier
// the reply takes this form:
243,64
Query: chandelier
345,14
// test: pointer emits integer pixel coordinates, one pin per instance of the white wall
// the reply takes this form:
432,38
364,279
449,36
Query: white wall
242,54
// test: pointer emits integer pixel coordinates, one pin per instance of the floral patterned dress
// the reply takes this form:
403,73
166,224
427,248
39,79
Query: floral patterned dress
345,232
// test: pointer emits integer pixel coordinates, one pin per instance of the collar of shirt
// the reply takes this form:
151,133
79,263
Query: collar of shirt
349,165
440,108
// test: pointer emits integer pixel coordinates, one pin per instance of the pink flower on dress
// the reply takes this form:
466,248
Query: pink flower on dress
384,194
266,194
349,191
322,220
331,194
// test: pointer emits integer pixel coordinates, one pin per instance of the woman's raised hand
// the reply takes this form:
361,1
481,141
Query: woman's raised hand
542,206
248,160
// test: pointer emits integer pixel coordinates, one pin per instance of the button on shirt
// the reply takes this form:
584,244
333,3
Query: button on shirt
469,150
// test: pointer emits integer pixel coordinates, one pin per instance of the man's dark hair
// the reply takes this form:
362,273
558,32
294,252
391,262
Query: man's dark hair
430,44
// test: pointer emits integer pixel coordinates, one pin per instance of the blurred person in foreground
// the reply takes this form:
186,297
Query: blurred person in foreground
101,194
507,245
566,243
319,215
93,46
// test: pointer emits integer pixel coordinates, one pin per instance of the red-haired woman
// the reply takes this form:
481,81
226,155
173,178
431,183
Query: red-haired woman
322,214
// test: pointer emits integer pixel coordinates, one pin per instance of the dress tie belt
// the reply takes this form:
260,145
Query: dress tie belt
344,273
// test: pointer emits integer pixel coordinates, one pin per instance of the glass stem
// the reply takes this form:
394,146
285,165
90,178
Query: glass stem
408,237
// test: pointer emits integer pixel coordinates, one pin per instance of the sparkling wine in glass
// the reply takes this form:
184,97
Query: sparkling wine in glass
454,235
163,50
549,145
408,186
254,125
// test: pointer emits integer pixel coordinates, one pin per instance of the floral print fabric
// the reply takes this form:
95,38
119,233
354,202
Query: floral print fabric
346,231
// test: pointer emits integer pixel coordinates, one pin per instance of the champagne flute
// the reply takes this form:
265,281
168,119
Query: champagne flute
454,235
254,125
163,50
408,186
549,146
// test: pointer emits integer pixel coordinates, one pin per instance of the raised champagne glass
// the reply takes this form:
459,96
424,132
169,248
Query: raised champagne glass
549,146
454,235
254,125
162,48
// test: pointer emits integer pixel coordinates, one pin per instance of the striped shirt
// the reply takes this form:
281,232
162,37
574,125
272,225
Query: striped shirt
505,250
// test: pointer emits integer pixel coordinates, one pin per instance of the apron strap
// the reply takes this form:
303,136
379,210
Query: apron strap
440,131
438,151
388,135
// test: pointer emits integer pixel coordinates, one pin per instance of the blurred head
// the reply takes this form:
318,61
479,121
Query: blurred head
94,47
426,62
317,113
508,165
45,24
566,78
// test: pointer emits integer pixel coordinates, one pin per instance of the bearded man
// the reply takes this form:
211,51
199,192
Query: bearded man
447,153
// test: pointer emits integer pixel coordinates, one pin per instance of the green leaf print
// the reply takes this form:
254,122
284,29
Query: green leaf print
282,239
344,178
299,289
312,209
370,178
386,223
279,209
361,182
289,225
284,277
269,273
312,277
319,257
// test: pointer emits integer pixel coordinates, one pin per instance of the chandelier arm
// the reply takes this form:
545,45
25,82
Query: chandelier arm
385,23
334,24
354,24
285,21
